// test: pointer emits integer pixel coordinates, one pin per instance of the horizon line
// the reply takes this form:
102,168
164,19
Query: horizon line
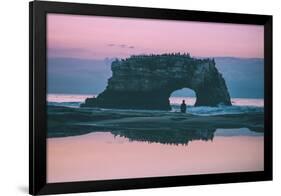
66,57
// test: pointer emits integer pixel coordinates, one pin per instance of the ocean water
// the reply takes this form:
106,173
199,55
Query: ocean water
239,105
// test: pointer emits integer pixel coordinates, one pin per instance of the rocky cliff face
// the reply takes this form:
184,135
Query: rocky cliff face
147,81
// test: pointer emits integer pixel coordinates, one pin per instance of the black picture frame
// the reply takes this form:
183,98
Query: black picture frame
37,105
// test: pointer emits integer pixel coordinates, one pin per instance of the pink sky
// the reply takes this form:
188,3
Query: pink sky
95,37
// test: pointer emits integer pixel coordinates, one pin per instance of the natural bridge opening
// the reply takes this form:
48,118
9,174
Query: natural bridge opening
177,96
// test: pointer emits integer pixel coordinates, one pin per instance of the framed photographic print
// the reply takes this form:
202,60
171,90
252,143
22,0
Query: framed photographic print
130,97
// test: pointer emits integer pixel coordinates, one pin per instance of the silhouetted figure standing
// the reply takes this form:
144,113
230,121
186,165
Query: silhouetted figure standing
183,107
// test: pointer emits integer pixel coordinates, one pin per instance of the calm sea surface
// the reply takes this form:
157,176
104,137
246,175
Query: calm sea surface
63,98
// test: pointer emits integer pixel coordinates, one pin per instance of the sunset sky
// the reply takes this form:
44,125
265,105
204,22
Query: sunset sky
95,37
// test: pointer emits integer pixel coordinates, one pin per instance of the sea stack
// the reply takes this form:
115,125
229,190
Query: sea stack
147,81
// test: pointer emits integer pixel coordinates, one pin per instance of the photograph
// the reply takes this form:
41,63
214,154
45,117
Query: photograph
135,98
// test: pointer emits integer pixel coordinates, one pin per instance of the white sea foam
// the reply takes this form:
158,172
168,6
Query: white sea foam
220,110
235,101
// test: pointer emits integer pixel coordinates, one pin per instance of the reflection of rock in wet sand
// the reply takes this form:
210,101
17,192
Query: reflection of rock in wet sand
64,121
166,137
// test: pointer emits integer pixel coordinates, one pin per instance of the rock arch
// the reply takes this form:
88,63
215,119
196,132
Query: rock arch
146,82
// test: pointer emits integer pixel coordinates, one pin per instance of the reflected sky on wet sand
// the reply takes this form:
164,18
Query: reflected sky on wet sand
105,155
